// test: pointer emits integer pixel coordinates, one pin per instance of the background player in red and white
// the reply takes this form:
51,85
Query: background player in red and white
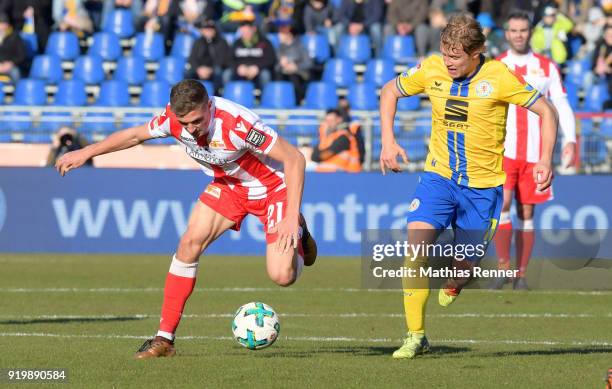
255,172
522,145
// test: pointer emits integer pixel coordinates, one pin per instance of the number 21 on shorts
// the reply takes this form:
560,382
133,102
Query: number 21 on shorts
275,214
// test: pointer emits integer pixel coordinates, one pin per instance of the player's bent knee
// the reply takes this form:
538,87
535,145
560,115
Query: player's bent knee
283,278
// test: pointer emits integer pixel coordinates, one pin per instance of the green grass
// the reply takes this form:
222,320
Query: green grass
94,328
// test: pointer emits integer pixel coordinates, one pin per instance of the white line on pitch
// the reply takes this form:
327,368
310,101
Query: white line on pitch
307,315
315,339
275,290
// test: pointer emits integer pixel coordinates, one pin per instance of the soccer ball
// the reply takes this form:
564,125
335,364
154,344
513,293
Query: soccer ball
255,326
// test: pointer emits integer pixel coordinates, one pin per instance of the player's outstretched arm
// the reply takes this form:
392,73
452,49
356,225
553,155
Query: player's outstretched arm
294,165
390,149
542,171
119,140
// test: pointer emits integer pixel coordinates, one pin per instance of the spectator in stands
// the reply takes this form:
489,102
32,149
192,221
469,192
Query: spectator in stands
338,148
252,56
280,13
602,62
550,34
193,11
361,17
209,54
18,11
234,12
294,63
159,16
70,15
319,19
495,42
593,29
66,139
430,42
12,51
409,17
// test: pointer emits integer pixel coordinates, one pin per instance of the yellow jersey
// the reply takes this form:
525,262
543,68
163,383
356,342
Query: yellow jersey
468,118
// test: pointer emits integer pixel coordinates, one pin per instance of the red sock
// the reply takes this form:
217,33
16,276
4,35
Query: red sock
525,237
179,285
503,241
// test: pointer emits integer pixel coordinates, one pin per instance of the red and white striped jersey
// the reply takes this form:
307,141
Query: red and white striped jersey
523,126
234,151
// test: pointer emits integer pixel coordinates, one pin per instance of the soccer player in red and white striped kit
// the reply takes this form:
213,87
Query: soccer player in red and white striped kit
255,172
522,146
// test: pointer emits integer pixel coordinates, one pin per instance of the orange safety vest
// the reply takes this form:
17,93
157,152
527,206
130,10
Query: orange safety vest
347,160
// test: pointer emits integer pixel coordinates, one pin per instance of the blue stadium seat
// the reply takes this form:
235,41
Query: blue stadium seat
53,121
30,92
171,69
89,69
399,48
307,125
274,39
99,122
120,22
357,48
586,127
379,71
317,46
71,93
106,46
278,94
113,93
155,94
16,120
606,126
132,119
64,44
131,70
572,95
410,103
415,148
230,37
31,43
37,136
241,92
593,149
47,67
181,47
577,69
596,96
340,72
320,95
210,88
149,46
362,96
1,94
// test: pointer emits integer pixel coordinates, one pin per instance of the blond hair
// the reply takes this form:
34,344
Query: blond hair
463,31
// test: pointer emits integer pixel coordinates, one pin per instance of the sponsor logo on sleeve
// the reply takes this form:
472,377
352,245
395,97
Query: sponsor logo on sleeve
256,138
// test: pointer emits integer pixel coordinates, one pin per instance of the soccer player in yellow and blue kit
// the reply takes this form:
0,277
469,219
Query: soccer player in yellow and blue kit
462,182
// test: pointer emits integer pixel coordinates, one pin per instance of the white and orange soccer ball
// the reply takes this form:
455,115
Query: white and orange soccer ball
255,326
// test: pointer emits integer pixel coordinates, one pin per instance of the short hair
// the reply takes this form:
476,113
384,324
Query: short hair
463,30
518,14
186,96
335,111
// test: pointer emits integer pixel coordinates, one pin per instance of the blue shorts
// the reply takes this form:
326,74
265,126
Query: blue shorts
473,213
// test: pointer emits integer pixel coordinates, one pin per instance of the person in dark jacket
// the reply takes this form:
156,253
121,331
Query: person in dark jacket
209,54
294,63
41,11
252,56
319,19
12,51
362,17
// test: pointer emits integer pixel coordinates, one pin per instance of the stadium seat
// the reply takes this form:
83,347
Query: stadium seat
155,94
71,93
181,47
399,48
171,69
340,72
274,39
415,148
89,69
379,71
241,92
410,103
1,94
606,126
37,136
31,43
230,37
106,46
362,96
357,48
113,93
596,96
278,94
99,122
131,70
577,69
132,119
16,120
320,95
210,88
30,92
149,46
593,149
63,44
304,125
47,67
120,22
317,46
53,121
572,95
586,126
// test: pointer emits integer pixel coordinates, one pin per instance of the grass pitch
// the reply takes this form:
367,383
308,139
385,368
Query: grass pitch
89,314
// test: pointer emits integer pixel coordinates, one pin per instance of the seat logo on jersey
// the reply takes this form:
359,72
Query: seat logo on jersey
456,110
484,89
255,138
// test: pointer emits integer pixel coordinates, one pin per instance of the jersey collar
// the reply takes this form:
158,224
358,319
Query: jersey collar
467,79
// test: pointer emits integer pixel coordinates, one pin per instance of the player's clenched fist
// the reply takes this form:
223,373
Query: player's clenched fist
71,160
388,157
542,174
